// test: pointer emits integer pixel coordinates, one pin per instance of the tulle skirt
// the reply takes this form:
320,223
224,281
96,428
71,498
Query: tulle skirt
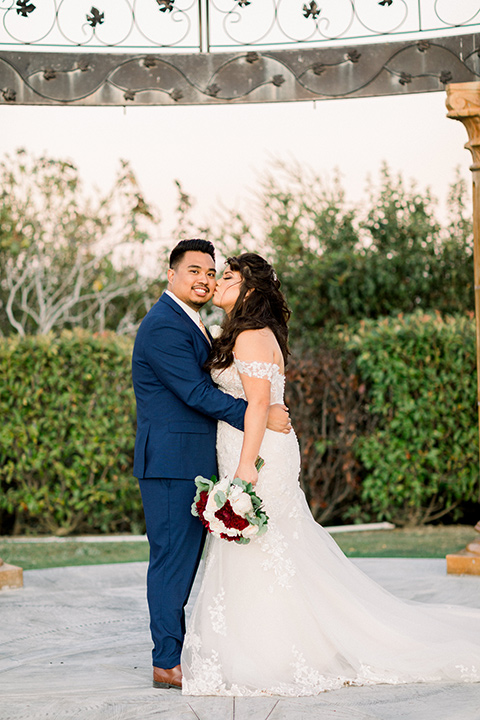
288,614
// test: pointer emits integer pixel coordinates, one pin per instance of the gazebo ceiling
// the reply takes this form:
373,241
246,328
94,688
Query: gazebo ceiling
157,52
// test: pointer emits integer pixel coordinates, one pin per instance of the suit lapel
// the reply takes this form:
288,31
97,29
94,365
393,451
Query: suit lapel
184,317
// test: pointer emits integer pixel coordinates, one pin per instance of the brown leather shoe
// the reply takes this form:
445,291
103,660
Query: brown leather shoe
167,678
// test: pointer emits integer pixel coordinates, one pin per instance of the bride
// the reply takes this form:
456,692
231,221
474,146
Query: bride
288,614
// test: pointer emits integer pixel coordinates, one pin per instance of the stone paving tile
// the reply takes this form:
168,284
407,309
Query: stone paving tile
74,645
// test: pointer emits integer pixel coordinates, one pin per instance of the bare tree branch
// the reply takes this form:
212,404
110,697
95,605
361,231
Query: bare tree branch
66,259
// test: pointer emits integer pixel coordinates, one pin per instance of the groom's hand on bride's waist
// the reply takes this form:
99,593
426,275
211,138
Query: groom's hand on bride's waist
279,419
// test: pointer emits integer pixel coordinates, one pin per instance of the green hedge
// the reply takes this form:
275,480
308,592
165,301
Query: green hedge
422,458
67,435
387,422
327,405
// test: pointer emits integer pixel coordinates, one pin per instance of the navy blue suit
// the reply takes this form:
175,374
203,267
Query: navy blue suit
178,407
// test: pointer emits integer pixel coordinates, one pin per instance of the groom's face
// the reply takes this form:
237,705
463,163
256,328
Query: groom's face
193,279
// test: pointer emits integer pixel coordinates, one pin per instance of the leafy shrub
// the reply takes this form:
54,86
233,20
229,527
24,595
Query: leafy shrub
386,420
422,457
327,405
340,263
67,435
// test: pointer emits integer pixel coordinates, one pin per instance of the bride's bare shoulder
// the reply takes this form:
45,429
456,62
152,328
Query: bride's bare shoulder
256,345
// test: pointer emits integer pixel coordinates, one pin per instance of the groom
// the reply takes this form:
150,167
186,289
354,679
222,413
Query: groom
178,407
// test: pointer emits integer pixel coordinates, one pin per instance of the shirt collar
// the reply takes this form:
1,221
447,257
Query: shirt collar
192,314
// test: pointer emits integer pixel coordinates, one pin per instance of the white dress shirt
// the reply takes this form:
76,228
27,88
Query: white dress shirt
192,314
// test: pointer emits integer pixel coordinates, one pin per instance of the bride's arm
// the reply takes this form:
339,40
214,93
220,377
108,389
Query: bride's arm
254,346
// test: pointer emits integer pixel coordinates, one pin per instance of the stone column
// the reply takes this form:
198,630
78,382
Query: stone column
463,103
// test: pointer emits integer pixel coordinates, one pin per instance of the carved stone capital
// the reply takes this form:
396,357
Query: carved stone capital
463,103
463,99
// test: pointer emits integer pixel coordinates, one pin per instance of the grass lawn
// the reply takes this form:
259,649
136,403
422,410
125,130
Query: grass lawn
426,542
34,555
423,542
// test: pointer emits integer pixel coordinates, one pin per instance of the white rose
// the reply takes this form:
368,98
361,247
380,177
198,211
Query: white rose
235,492
250,531
231,532
242,504
211,507
215,331
208,515
217,526
223,485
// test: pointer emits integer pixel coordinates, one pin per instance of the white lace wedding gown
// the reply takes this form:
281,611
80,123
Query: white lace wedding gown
289,614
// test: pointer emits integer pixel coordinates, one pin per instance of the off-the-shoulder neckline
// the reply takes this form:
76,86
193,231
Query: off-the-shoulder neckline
261,362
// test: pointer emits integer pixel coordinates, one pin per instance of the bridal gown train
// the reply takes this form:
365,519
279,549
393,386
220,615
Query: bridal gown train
288,614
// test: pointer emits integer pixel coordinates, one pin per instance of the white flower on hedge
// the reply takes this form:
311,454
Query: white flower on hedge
242,504
215,331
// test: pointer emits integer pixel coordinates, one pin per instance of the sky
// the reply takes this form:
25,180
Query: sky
219,153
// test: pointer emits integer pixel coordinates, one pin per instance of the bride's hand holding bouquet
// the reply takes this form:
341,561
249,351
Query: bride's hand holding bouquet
230,510
247,472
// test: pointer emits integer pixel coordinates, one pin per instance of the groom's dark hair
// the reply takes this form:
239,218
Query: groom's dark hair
195,245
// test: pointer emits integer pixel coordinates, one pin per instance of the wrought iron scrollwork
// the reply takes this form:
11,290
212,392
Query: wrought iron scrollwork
337,50
9,95
166,5
309,74
224,24
283,22
311,10
123,23
354,56
24,7
405,78
96,17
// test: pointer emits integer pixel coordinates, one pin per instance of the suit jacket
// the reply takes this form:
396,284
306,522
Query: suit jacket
178,404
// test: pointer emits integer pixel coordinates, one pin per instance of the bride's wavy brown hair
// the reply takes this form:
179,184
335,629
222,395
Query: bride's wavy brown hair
264,306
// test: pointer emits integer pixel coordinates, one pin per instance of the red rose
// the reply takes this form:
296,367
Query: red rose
230,518
224,536
201,505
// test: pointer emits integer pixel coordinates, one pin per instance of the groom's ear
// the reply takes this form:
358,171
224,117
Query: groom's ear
170,274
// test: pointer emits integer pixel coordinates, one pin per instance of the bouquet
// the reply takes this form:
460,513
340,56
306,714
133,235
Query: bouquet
230,509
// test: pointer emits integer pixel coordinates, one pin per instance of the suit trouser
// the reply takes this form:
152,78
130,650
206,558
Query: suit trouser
176,541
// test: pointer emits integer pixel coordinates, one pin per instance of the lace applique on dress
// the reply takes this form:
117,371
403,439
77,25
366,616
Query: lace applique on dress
469,673
192,640
256,369
273,543
263,371
208,675
217,613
